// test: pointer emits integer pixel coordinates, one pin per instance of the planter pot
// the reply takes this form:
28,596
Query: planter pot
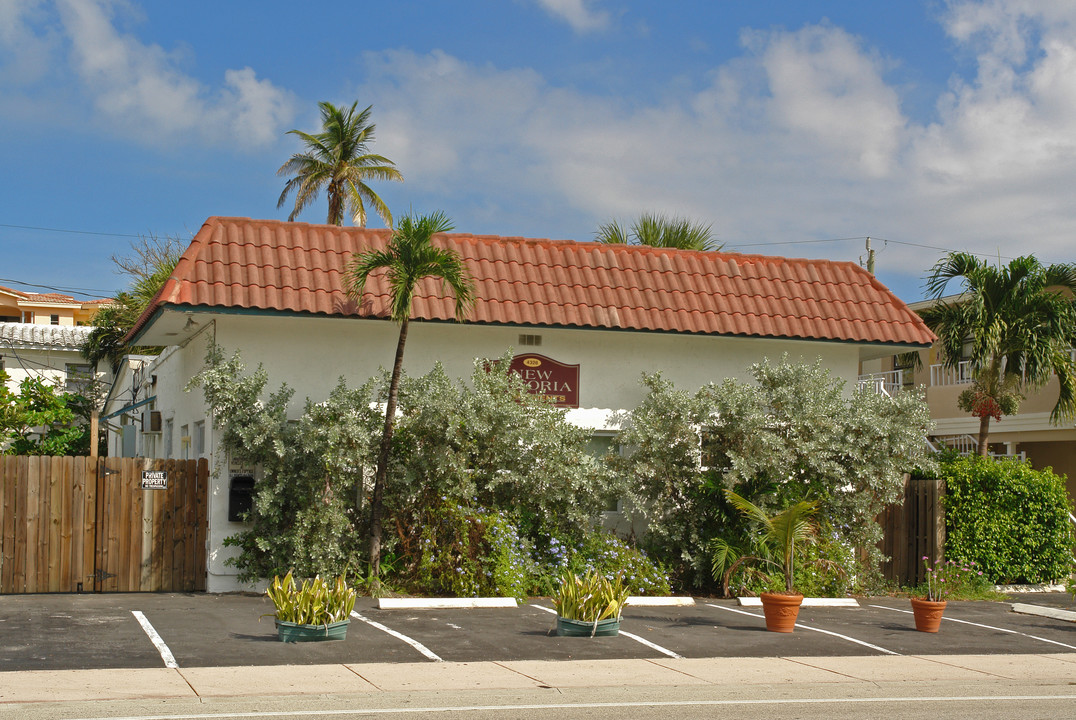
294,632
781,611
581,628
928,614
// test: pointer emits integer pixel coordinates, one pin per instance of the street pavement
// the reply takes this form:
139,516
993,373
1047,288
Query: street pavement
90,656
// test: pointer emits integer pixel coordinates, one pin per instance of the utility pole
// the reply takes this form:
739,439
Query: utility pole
870,257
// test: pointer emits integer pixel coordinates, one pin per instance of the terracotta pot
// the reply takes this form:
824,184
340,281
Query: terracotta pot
928,614
781,611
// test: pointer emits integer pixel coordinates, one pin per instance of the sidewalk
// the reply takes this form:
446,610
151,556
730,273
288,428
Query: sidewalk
267,681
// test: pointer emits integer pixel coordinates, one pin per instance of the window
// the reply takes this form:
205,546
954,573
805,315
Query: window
530,340
168,439
199,439
79,378
54,319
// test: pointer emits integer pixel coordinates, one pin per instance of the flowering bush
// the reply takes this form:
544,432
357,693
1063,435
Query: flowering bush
466,552
952,579
603,553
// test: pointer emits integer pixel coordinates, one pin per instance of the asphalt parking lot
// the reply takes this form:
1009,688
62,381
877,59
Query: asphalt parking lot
61,632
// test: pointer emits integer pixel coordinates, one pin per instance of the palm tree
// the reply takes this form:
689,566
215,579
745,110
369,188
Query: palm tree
1019,322
658,230
338,159
408,258
779,536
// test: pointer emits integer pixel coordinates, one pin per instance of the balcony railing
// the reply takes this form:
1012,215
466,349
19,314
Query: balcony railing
959,375
883,383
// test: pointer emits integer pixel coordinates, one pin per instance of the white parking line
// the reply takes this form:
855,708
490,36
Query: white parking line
413,643
808,627
988,627
636,638
158,642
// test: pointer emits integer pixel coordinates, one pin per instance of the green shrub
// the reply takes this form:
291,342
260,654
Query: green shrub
612,557
462,551
1009,519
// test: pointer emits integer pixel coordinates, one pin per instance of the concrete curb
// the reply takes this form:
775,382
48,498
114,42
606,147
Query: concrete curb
657,601
445,603
464,603
1049,612
807,602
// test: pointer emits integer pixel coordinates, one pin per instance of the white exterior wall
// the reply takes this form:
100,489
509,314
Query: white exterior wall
310,354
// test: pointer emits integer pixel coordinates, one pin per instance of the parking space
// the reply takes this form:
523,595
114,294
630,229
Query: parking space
102,631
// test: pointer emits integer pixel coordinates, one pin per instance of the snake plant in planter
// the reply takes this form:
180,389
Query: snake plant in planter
589,605
316,610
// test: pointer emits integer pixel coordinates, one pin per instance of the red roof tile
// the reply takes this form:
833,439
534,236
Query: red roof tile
297,267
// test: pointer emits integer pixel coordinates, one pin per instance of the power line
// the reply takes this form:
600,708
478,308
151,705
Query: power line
58,288
73,232
864,237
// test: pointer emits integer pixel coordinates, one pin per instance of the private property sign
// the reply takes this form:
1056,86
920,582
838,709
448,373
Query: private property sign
547,377
154,479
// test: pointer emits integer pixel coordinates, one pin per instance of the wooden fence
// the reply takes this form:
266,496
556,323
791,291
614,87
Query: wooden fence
72,524
913,529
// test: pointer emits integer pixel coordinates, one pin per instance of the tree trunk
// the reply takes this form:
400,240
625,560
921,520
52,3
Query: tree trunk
376,502
984,435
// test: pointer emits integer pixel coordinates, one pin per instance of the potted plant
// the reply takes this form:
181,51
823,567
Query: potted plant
316,610
941,579
780,535
589,605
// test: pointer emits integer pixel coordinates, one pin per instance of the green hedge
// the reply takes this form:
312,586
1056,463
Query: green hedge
1009,518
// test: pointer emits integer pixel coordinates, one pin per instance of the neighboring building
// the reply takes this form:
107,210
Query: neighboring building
601,314
50,352
46,308
1028,434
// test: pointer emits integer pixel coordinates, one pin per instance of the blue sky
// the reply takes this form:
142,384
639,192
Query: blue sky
793,128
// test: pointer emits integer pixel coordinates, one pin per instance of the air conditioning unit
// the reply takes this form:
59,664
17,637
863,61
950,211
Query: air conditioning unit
151,421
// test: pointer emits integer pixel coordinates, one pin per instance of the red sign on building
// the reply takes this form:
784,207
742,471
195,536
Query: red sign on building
545,376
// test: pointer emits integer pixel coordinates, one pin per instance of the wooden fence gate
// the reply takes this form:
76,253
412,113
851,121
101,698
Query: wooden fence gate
70,524
913,529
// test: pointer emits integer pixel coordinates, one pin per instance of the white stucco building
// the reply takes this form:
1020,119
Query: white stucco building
276,292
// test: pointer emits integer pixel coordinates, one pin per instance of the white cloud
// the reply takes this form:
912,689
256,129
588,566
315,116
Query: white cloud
799,138
580,14
133,87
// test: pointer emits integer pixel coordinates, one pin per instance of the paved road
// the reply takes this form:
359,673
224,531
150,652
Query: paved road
55,632
89,656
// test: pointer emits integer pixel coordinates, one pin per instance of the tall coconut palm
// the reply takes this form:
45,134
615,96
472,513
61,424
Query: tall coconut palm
408,258
658,230
1019,322
339,160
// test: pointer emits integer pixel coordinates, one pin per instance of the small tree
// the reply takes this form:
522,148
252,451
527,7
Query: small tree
409,257
42,420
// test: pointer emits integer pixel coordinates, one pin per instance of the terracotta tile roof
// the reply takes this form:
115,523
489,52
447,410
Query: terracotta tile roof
50,298
297,267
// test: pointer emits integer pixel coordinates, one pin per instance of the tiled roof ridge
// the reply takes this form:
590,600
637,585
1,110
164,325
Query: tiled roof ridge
573,245
62,336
